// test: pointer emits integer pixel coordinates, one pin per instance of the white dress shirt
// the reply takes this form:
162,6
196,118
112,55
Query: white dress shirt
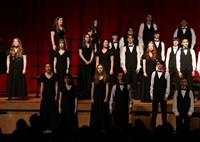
191,96
178,57
123,57
141,29
162,46
113,95
175,48
115,44
193,35
167,77
198,63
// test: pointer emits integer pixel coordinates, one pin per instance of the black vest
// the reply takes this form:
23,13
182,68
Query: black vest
187,35
116,53
158,50
160,85
121,98
183,104
186,61
148,33
172,59
131,58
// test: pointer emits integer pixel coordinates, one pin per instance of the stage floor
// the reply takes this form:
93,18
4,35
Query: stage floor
12,110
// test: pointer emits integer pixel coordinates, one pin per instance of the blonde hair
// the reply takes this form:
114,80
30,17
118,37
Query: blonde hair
19,53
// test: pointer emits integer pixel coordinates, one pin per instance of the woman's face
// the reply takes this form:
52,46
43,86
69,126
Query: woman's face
95,23
15,42
60,21
150,46
87,37
99,68
61,44
105,43
48,68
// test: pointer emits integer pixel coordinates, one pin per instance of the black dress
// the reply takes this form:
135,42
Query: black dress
104,59
48,107
85,71
146,81
57,36
61,66
16,82
68,119
100,118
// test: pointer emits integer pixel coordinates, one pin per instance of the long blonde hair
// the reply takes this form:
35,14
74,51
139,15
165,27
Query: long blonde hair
19,54
154,53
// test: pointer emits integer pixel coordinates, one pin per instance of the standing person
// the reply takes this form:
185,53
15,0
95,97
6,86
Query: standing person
159,92
68,105
57,32
99,118
160,46
171,65
186,32
61,62
105,57
16,70
96,34
130,63
85,70
183,105
149,65
49,96
186,63
123,40
137,41
120,104
114,47
93,64
146,31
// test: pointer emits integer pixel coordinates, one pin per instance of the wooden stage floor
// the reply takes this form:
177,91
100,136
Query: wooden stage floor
12,110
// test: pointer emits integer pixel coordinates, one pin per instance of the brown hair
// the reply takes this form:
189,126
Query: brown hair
84,41
55,24
19,53
61,41
97,75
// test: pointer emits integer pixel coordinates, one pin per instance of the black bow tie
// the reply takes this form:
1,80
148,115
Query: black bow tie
184,48
159,71
184,28
156,40
130,45
115,42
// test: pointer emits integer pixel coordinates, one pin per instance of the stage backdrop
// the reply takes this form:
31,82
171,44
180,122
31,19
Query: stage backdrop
30,20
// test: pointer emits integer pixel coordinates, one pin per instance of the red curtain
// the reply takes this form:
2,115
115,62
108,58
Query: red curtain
30,19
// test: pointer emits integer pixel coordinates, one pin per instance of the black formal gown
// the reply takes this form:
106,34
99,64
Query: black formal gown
57,36
85,72
146,81
61,66
16,82
68,119
48,106
104,59
100,118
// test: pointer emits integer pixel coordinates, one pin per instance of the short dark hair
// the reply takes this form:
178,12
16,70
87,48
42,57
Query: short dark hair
156,32
161,62
115,33
184,19
176,39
